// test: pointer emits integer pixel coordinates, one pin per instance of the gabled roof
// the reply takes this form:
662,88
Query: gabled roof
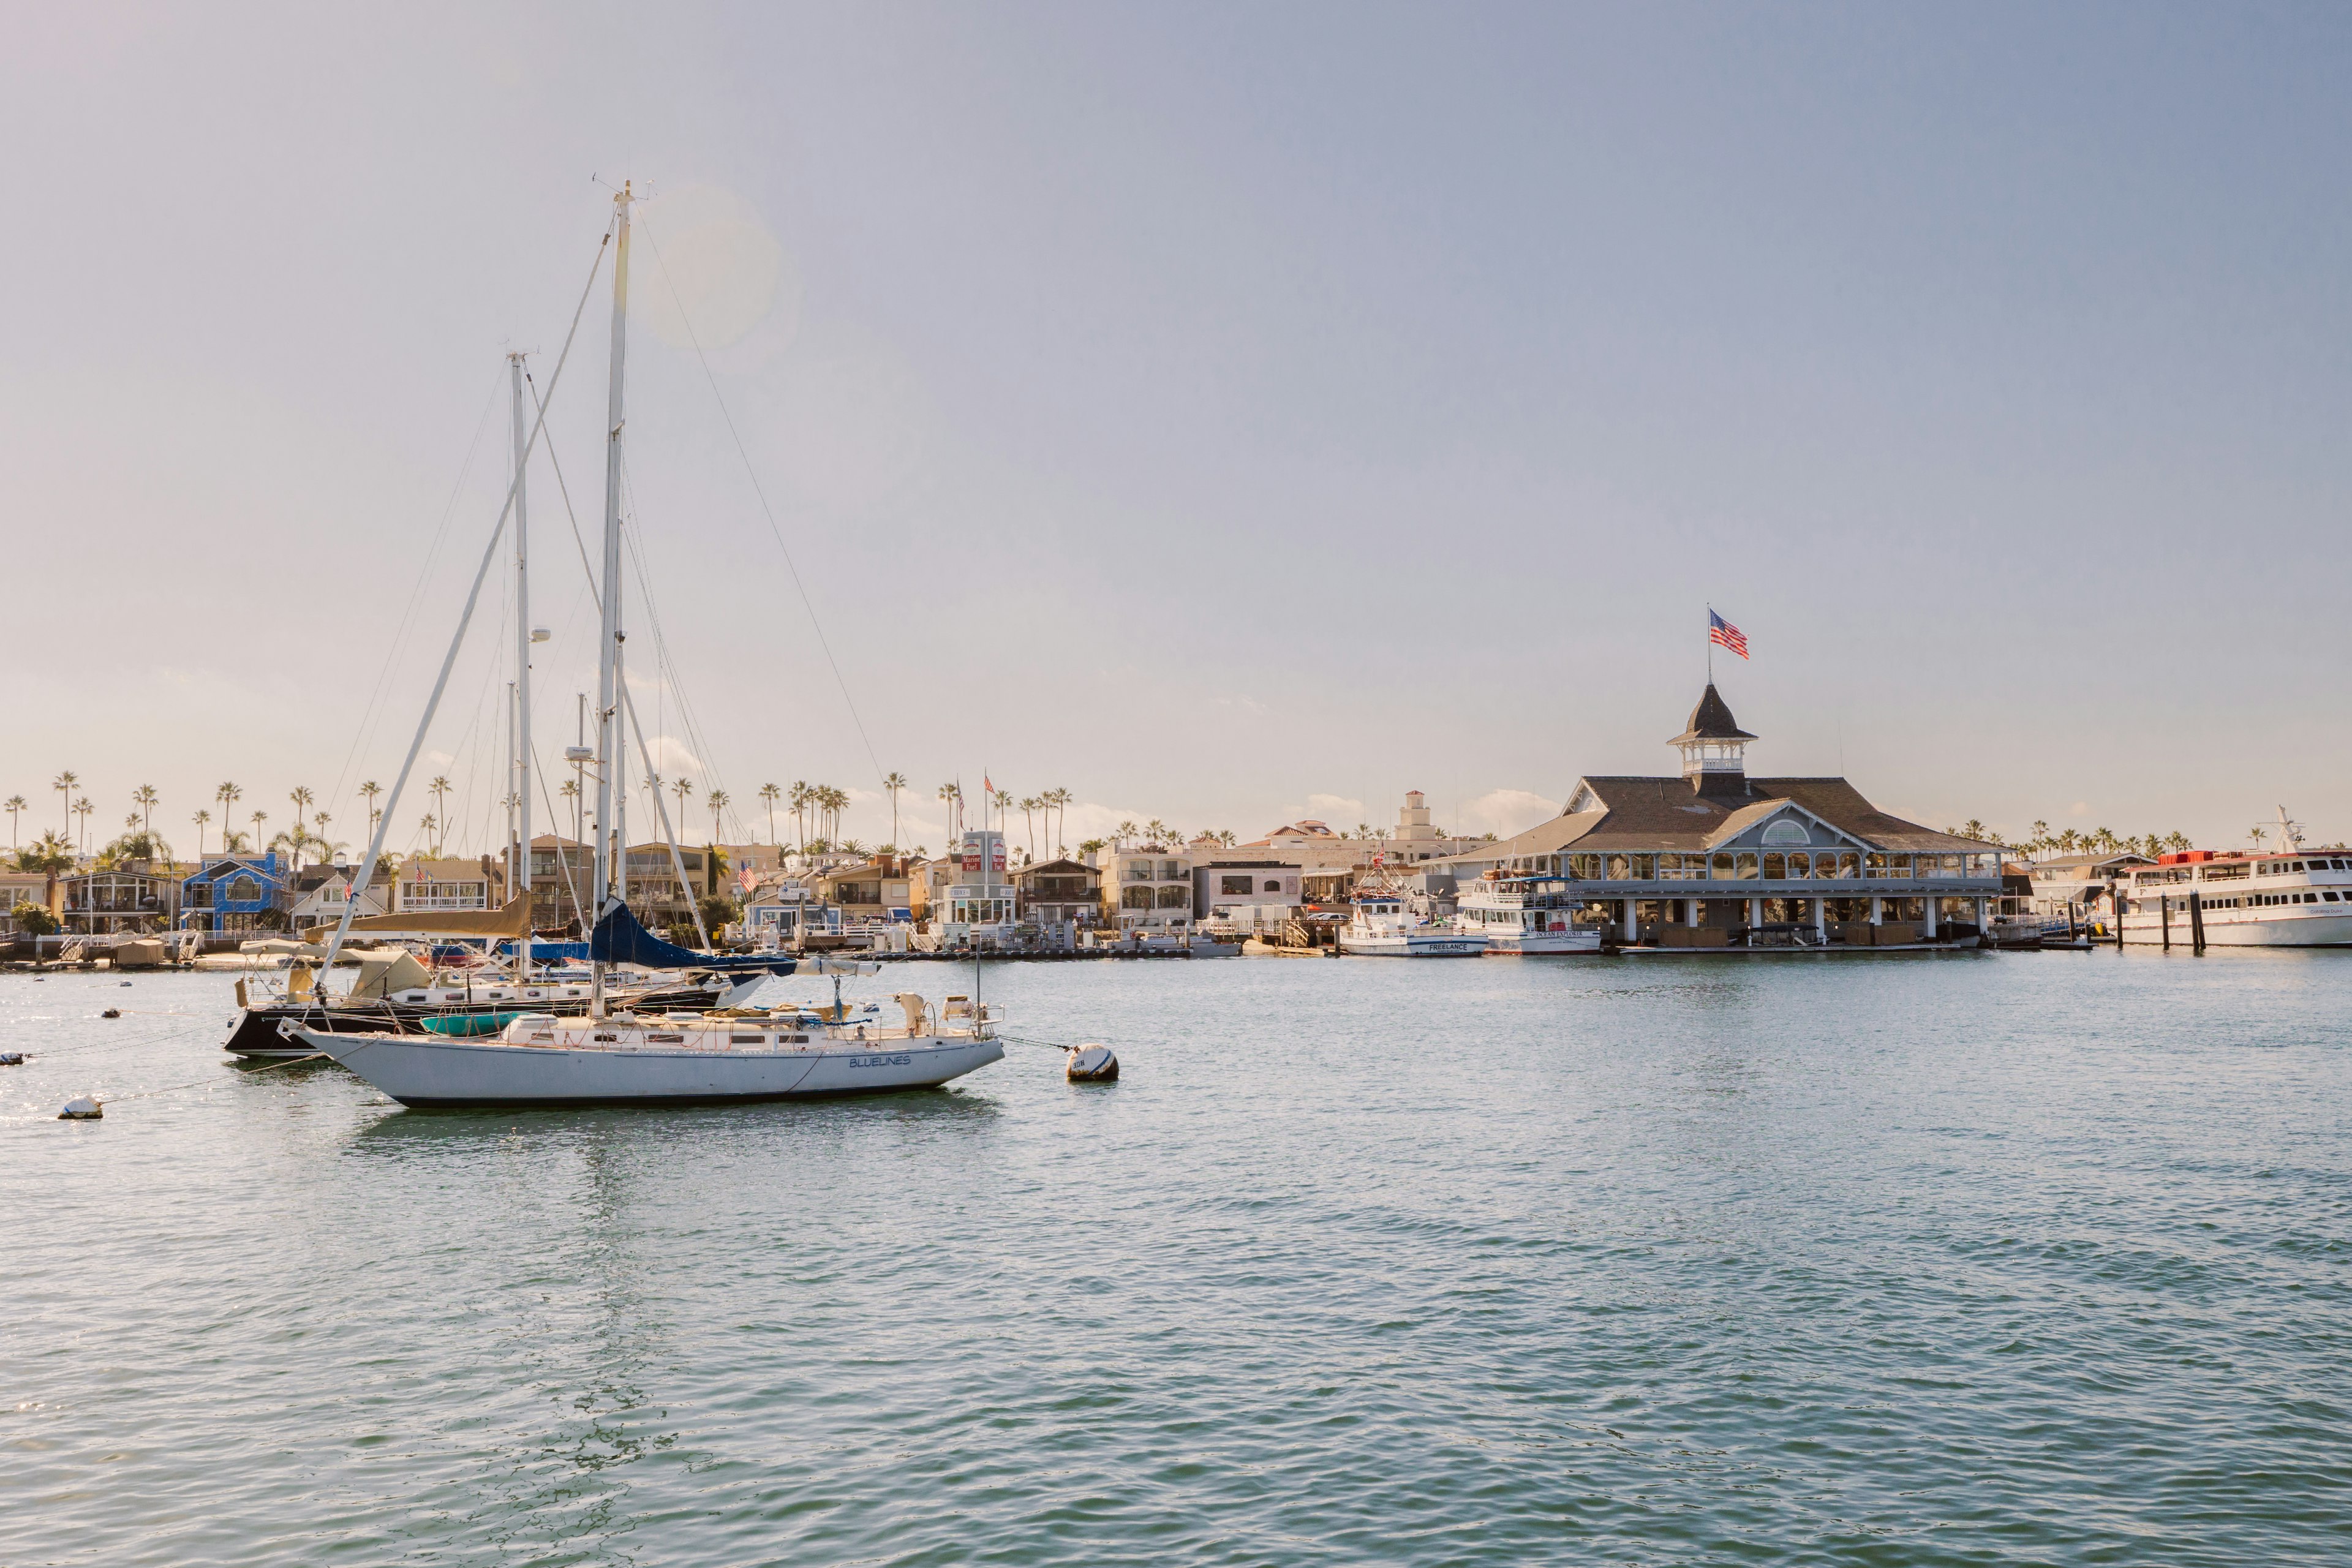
1636,813
1711,721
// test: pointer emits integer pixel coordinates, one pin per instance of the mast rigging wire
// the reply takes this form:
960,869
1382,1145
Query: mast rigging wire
753,474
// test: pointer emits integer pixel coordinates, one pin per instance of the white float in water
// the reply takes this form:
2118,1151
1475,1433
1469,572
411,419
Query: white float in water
83,1108
1093,1064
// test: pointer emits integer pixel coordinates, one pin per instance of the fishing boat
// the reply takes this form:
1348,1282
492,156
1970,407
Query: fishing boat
1525,917
1383,924
609,1053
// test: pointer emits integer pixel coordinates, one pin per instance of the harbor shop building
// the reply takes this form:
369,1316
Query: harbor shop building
1684,861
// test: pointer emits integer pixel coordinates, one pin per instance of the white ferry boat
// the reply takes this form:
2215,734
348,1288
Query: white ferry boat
1525,916
538,1059
2282,897
1383,926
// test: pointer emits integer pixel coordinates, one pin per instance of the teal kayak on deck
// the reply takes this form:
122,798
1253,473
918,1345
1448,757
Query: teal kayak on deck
465,1026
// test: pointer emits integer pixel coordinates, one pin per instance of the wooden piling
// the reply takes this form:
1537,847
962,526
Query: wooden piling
2163,918
2196,922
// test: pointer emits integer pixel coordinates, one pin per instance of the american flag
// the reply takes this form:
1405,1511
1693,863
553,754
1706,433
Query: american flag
1723,633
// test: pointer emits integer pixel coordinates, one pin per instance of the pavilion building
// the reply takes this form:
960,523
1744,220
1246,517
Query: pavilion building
1717,848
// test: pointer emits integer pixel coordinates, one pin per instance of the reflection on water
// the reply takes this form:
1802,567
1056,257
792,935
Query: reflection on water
2031,1258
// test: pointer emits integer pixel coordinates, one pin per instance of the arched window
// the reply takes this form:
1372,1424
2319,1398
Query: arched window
245,890
1175,897
1272,887
1135,897
1786,830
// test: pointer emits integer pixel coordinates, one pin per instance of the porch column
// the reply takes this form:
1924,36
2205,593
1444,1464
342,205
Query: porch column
1631,932
1929,903
1821,920
1690,912
1982,923
1877,911
1755,911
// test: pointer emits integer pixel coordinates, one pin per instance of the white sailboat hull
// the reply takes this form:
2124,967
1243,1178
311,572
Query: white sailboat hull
2247,927
426,1071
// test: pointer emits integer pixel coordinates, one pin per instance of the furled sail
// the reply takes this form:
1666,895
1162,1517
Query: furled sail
619,939
513,921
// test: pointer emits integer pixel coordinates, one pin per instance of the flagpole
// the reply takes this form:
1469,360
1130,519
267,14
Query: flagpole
1710,644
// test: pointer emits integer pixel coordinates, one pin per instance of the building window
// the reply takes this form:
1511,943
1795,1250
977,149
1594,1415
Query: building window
1173,871
1785,831
244,890
1644,867
1776,868
1135,897
1235,887
1747,863
1175,897
1722,870
1137,871
1271,886
1620,867
1801,865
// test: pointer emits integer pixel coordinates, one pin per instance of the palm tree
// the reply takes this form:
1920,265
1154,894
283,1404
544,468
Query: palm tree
368,792
51,855
570,791
1125,831
716,803
65,787
233,842
16,809
892,783
770,794
201,818
439,790
258,818
1159,830
228,794
301,797
144,796
426,825
852,847
681,788
1029,807
2176,841
797,797
2255,833
1972,828
83,808
949,795
838,799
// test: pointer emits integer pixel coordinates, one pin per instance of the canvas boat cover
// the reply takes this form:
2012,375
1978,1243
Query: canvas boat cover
513,921
386,970
619,939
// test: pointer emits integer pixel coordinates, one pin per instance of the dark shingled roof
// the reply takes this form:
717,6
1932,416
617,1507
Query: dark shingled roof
1638,815
1711,721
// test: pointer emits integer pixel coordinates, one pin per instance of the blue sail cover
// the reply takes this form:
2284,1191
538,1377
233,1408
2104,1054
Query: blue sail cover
619,939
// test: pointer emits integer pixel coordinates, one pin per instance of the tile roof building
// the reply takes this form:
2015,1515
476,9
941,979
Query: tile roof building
1715,847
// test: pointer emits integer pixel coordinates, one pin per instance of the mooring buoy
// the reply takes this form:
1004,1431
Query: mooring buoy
112,1013
12,1059
82,1109
1092,1063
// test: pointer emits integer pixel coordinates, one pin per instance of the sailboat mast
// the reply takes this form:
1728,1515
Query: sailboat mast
522,632
609,643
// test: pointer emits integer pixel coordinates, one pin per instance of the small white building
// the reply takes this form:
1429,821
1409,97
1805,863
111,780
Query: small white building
1249,894
427,886
980,905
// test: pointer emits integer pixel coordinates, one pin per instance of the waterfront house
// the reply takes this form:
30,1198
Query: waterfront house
868,892
20,887
448,886
1147,889
978,906
560,869
1254,894
1058,892
134,896
323,892
1686,859
654,894
234,893
780,907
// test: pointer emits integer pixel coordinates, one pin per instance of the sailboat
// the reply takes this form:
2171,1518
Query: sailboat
614,1055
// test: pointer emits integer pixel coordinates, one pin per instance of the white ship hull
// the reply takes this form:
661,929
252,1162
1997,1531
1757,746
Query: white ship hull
1541,944
427,1070
1401,945
2276,927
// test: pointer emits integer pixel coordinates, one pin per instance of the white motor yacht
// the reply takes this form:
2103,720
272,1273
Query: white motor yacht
1525,916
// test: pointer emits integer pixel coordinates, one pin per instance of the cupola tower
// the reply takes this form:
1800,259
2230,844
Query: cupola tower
1713,748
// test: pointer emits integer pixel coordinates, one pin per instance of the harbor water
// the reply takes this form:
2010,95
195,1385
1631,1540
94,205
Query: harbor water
1938,1259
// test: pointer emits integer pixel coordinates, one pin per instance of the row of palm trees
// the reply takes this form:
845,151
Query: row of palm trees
2068,841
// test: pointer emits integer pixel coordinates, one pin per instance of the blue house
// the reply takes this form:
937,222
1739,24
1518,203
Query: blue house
232,891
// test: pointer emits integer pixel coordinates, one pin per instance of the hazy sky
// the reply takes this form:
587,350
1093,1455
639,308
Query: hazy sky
1225,412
